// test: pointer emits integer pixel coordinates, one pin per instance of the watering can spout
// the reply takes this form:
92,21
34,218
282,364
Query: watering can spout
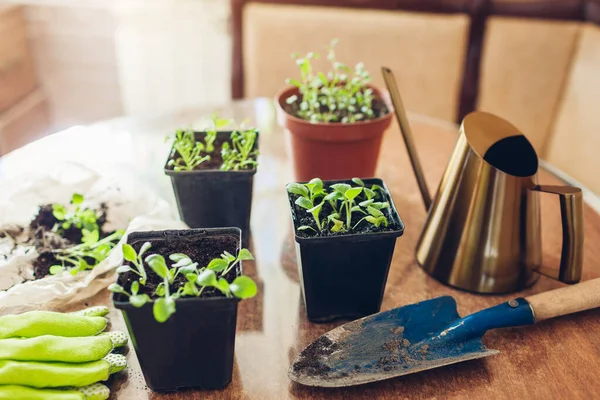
390,82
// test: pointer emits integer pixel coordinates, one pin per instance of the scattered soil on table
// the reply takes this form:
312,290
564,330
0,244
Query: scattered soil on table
301,217
201,252
379,109
310,363
215,157
39,234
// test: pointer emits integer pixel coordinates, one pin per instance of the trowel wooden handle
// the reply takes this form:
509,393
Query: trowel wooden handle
566,300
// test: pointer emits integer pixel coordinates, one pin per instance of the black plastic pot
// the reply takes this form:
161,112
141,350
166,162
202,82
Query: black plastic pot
214,198
194,348
344,277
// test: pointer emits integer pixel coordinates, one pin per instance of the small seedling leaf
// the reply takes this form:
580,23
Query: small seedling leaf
135,287
145,247
223,286
158,265
351,194
217,264
304,203
163,309
139,300
77,199
243,287
374,212
176,257
358,181
245,255
341,187
128,252
123,268
297,188
207,278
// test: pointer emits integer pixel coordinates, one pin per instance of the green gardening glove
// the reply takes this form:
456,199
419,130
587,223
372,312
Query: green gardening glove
40,350
96,391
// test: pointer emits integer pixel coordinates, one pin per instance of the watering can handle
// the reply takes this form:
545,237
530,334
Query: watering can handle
571,211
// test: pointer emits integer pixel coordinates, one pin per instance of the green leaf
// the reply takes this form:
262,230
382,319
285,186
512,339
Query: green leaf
366,203
223,286
243,287
357,209
55,269
315,183
188,269
163,309
77,199
123,268
372,220
116,288
145,247
90,238
337,225
297,188
304,203
192,277
227,256
374,212
176,257
139,300
381,205
217,264
158,265
351,194
207,278
128,252
190,289
59,211
244,255
135,287
358,181
341,187
182,262
333,216
160,289
334,196
306,227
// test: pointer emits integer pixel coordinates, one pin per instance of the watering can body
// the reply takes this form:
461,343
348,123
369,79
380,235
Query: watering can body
483,231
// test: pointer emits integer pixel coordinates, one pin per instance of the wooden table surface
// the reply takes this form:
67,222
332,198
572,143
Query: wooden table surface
556,359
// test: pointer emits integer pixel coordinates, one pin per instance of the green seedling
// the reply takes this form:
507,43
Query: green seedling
340,95
75,215
197,280
239,154
87,255
344,200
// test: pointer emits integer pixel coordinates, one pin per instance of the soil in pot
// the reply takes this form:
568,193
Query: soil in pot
197,341
208,197
343,274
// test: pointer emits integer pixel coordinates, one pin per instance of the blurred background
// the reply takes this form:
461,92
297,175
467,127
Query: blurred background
533,62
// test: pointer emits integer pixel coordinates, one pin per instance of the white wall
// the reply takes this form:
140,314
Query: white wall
98,59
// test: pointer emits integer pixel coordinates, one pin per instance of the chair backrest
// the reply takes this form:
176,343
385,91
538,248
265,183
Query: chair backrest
575,142
524,66
425,50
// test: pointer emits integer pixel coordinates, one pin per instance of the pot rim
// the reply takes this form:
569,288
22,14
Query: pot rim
353,236
171,172
379,92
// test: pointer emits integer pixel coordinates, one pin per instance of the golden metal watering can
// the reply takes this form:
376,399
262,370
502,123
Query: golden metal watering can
483,230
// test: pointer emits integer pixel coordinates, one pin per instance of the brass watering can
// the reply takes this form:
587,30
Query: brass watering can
483,230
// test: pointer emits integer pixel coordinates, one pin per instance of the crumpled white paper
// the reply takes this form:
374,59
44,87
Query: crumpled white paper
131,206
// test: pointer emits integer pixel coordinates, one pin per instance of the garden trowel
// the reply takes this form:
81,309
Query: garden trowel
423,336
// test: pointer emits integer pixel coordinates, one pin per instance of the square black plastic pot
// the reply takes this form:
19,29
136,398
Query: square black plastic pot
214,198
344,277
194,348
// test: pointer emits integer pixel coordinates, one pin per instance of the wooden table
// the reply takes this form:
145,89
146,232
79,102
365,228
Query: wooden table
553,360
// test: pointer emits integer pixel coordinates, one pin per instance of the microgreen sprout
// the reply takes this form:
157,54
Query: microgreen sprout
75,215
86,255
341,95
344,201
197,280
238,153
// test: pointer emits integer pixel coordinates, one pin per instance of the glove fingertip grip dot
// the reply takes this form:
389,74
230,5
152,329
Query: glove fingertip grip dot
117,362
96,391
118,339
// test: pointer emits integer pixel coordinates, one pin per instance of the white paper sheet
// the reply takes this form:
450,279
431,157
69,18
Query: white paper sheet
131,206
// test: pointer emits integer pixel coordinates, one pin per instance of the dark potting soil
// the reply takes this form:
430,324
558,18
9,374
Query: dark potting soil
302,217
379,109
201,253
45,240
215,157
310,363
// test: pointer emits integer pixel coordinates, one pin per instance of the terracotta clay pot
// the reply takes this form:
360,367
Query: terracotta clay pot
332,150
